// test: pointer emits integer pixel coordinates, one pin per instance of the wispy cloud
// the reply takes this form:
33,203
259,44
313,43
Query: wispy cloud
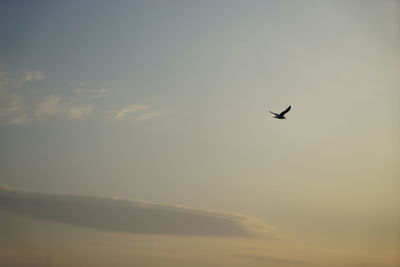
5,80
49,106
123,113
137,113
11,108
120,215
12,104
10,82
93,90
78,112
19,105
33,76
18,119
54,105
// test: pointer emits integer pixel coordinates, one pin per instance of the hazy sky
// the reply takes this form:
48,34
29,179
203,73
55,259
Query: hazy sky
167,102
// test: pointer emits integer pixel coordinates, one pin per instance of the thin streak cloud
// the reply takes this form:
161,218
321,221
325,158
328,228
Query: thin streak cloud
131,216
123,113
93,90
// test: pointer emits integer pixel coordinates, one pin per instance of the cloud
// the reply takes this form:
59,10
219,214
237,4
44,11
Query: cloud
122,114
10,103
54,105
19,119
5,80
11,108
19,105
130,216
148,116
49,106
9,82
33,76
272,259
92,91
78,112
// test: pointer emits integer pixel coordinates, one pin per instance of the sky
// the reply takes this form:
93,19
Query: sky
166,103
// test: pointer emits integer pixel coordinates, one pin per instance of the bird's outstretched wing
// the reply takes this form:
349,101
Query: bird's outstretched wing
285,111
276,114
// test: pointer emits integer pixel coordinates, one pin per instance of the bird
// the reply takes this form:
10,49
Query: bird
282,114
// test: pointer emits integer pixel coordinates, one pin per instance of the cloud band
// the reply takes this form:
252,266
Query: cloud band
120,215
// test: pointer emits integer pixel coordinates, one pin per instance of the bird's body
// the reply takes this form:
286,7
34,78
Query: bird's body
281,115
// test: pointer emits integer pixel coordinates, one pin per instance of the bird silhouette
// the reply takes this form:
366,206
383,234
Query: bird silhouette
282,114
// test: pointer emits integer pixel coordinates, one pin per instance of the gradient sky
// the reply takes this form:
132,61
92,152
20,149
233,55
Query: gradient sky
167,101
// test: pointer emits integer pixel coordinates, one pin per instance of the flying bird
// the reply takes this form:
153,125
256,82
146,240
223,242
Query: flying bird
282,114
